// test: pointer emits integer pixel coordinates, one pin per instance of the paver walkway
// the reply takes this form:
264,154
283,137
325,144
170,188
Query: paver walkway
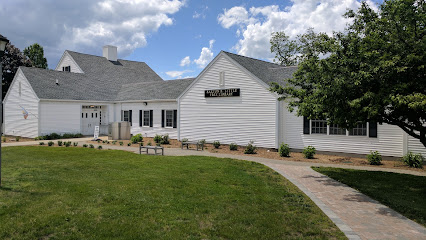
357,215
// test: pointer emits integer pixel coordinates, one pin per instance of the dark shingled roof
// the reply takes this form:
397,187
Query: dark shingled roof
266,71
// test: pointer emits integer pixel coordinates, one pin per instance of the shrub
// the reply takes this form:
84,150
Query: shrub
284,150
158,144
3,139
50,143
67,144
91,146
250,149
17,139
114,142
121,143
129,144
233,147
309,152
216,144
59,143
75,144
202,141
107,142
184,140
158,138
149,144
374,158
41,143
137,138
413,160
99,147
165,139
84,145
104,141
98,140
54,136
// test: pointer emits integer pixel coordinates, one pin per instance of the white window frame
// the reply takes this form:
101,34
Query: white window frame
336,126
143,118
347,132
165,118
359,129
124,116
313,122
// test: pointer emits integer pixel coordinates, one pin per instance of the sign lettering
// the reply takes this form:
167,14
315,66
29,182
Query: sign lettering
230,92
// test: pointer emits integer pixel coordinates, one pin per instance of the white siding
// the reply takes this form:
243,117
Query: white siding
59,117
156,128
229,119
14,122
389,141
66,61
415,146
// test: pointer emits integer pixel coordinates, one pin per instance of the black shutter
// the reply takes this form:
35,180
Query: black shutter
122,115
162,118
174,118
305,125
140,118
151,117
130,117
372,129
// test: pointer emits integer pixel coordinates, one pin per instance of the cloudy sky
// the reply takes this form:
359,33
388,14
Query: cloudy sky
177,38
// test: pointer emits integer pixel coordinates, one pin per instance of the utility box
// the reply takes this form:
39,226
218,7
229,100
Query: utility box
119,131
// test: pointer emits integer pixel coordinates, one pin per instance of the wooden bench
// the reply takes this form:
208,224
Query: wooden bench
151,147
198,144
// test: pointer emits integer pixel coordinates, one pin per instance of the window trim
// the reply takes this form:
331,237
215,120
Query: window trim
143,118
318,121
124,115
347,132
165,118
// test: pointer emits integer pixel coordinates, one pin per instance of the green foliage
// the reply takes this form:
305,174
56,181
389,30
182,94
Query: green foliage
54,136
250,149
67,144
284,150
91,146
158,138
149,144
373,71
85,145
75,144
202,141
158,144
100,147
17,138
309,152
3,139
285,50
41,143
129,144
35,53
136,138
374,158
216,144
114,142
165,139
98,140
121,143
413,160
233,147
184,140
50,143
59,143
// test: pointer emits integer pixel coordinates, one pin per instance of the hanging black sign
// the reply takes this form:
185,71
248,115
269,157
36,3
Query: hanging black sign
230,92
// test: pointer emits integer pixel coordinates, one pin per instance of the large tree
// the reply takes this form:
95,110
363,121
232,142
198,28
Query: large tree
11,61
373,71
35,53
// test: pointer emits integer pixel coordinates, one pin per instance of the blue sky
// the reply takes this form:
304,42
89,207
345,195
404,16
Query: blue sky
164,32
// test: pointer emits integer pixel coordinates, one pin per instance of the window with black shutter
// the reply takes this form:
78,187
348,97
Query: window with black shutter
162,118
151,118
140,118
174,118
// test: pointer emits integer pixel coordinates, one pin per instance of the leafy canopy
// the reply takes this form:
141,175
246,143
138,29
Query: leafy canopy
35,53
373,71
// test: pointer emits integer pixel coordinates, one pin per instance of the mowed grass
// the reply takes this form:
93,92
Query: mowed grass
403,193
79,193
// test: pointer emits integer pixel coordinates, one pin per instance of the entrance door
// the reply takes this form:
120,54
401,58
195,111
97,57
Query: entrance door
90,118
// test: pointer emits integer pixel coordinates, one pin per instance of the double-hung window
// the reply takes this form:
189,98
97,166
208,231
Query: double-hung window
169,118
336,130
126,116
146,118
66,69
319,127
359,130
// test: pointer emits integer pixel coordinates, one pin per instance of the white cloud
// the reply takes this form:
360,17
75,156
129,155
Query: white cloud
185,61
85,25
201,13
206,55
177,74
256,24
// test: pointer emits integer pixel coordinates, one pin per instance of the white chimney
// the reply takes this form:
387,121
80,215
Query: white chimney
110,52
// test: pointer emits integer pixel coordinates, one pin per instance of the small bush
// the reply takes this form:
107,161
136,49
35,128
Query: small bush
85,145
41,143
309,152
91,146
98,140
149,144
107,142
50,143
184,140
216,144
17,139
202,141
3,139
233,147
165,139
374,158
104,141
158,138
284,150
137,138
158,144
114,142
413,160
75,144
250,149
121,143
54,136
67,144
129,144
99,147
59,143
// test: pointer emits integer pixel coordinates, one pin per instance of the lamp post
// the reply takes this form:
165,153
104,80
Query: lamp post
3,42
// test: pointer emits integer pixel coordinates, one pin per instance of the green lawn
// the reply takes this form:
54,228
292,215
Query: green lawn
79,193
403,193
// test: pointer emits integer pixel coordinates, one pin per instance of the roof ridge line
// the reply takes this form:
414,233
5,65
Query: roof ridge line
251,58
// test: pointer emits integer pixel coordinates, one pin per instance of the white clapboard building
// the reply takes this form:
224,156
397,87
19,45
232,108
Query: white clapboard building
229,101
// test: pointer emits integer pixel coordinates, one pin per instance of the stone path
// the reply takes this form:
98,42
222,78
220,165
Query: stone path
355,214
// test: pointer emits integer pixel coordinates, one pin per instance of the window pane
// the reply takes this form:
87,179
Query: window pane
126,116
359,130
336,130
319,127
169,118
146,118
